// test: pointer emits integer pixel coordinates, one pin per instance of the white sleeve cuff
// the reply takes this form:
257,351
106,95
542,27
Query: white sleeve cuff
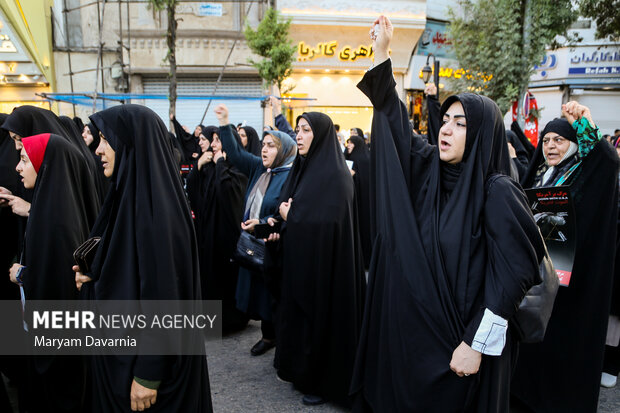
490,337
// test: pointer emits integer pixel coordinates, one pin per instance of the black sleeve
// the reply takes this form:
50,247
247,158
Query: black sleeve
434,121
283,126
514,247
391,114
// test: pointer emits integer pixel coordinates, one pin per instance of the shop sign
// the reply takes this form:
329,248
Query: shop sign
435,40
330,50
594,61
448,72
549,62
210,9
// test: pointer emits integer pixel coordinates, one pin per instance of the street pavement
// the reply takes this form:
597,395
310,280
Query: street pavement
241,383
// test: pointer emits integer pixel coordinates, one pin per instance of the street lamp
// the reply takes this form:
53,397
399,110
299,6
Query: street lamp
426,72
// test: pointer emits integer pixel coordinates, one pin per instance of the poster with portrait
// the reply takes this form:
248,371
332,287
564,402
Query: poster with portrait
554,213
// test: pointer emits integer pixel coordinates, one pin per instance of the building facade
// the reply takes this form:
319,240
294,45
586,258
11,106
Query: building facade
111,47
26,58
589,73
334,50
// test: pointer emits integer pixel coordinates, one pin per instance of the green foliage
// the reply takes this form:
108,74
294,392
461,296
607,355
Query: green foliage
271,41
606,13
160,5
504,40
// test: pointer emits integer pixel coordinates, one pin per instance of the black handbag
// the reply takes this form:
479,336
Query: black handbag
85,254
534,312
250,252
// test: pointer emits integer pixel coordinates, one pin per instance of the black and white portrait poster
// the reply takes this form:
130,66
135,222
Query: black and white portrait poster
554,213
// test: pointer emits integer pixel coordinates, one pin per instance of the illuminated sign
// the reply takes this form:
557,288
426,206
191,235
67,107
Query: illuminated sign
330,49
8,67
448,72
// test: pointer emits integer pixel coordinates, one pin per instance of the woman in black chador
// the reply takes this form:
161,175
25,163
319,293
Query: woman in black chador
249,140
322,289
147,251
64,207
456,248
216,190
188,141
31,120
357,151
563,373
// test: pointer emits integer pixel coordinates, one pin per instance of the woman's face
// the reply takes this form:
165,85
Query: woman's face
107,154
26,170
554,148
304,136
204,143
88,137
17,139
269,151
350,146
453,134
197,131
353,132
216,145
244,137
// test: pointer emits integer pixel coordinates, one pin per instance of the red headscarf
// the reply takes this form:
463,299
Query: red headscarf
35,148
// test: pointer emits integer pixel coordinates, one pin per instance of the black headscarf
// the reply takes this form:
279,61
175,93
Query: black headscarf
78,122
323,277
9,222
96,139
525,142
434,270
562,128
147,252
94,163
31,120
254,145
360,132
522,160
361,165
538,165
188,141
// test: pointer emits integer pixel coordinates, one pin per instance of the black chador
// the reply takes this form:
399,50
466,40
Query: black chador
31,120
12,225
64,207
216,194
322,286
444,252
253,144
563,373
188,142
94,163
360,156
148,251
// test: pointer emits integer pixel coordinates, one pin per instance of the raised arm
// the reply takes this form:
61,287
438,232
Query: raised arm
588,135
279,119
246,162
433,106
390,119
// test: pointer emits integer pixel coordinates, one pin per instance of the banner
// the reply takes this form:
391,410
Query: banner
554,214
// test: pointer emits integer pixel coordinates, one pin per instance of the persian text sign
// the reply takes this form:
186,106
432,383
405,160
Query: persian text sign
330,49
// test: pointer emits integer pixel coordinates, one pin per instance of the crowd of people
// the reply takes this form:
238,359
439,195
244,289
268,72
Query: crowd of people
387,276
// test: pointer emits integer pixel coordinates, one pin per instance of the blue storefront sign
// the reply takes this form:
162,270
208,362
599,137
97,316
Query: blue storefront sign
210,9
